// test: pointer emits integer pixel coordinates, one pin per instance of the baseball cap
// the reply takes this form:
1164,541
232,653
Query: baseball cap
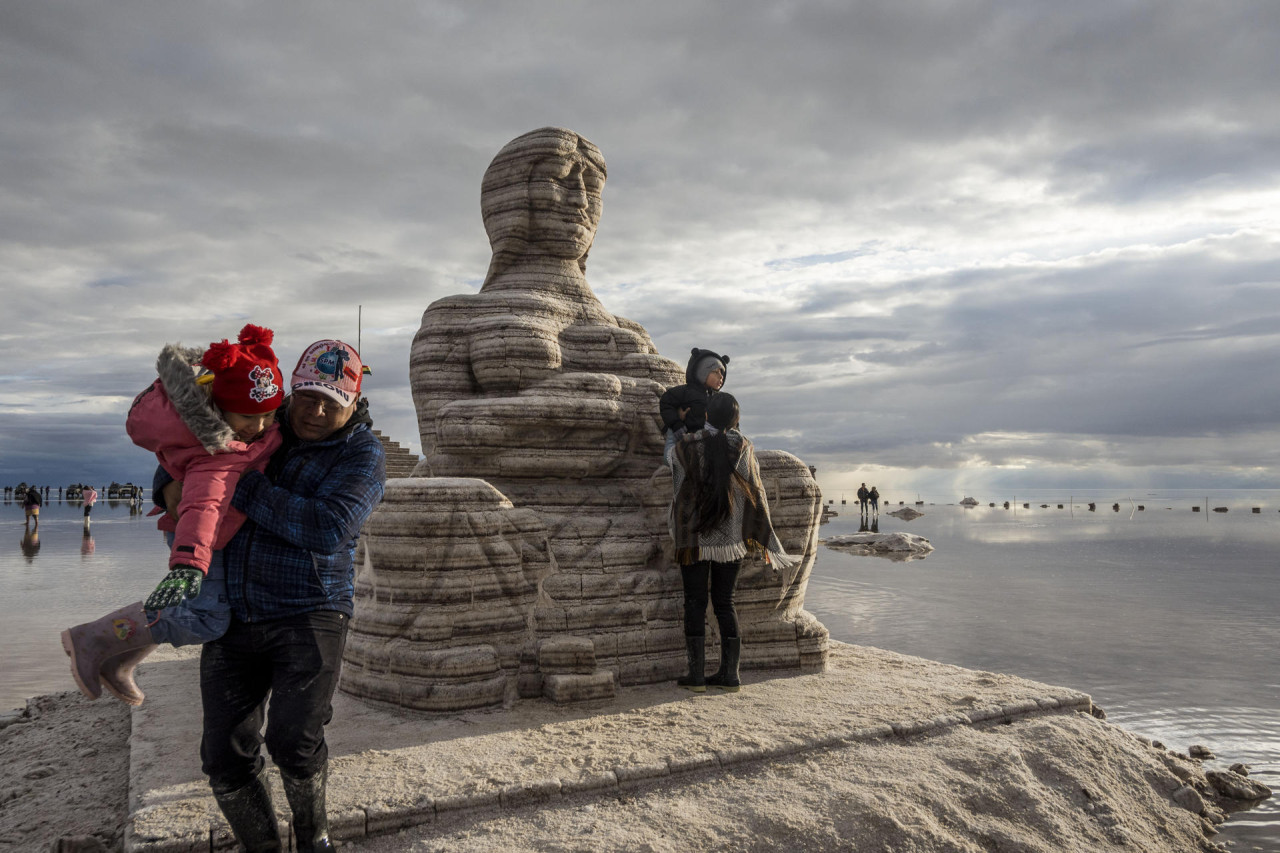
332,368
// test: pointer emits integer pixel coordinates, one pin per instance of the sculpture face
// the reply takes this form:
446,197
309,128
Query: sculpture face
564,205
540,198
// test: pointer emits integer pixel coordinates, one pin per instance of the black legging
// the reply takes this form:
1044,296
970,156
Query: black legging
724,578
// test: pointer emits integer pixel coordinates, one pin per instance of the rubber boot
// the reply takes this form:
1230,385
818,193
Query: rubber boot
91,644
695,679
726,677
307,801
252,818
717,678
116,675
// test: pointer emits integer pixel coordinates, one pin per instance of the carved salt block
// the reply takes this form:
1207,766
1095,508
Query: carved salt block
579,688
566,656
443,598
569,671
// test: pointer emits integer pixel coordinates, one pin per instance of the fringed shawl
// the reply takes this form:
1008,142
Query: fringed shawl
745,529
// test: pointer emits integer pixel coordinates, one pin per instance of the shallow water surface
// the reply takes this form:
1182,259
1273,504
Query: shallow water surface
1165,616
61,577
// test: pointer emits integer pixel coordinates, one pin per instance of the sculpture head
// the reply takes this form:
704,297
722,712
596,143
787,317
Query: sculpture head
541,196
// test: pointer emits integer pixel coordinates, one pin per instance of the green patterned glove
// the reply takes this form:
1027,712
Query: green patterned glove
181,584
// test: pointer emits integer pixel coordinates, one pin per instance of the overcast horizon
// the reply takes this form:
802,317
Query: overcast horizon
968,248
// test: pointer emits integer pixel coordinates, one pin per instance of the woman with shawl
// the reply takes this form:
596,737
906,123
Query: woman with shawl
720,514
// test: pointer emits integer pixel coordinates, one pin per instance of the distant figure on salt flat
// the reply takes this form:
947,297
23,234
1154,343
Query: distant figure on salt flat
31,507
89,495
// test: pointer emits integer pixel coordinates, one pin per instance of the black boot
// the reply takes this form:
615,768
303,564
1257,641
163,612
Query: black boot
695,680
252,818
306,800
726,677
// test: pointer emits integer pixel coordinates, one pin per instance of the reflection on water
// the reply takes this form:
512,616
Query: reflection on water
1167,618
30,544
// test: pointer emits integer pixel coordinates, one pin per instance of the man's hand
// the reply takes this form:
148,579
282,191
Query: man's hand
181,584
172,494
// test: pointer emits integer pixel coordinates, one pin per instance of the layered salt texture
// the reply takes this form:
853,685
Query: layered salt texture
529,555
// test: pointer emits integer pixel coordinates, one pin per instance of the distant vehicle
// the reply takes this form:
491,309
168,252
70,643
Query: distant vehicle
128,490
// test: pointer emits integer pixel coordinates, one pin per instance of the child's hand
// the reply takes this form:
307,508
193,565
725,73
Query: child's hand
172,495
181,584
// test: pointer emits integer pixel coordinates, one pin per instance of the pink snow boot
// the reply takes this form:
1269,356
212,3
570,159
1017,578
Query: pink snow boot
116,675
92,645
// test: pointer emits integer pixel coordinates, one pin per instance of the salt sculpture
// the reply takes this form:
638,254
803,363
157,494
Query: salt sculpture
529,555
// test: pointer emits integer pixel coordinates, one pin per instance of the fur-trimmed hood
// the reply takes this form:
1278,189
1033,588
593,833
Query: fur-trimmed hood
178,367
174,419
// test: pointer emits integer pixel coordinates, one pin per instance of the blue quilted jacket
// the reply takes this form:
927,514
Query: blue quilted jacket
295,553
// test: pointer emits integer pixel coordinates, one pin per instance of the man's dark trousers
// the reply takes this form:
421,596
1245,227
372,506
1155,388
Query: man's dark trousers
295,659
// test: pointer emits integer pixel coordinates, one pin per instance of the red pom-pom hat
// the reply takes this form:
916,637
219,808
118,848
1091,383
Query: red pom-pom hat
246,374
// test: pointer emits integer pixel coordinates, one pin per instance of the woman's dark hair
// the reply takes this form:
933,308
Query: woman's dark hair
722,411
713,485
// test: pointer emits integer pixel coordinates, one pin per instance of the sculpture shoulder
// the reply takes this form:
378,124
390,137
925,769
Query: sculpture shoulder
640,333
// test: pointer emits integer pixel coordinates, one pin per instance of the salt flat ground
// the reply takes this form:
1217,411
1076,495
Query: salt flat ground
882,752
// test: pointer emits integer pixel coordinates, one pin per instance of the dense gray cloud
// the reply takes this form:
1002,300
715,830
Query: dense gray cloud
981,243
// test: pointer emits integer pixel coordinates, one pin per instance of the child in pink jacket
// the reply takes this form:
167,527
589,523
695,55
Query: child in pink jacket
89,495
209,417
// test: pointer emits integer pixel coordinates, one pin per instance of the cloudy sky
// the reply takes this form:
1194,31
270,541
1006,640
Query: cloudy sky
950,246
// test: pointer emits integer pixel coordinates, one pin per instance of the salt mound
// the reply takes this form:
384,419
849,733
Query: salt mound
898,547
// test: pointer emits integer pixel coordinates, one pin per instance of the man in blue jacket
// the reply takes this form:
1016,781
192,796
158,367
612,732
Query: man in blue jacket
290,583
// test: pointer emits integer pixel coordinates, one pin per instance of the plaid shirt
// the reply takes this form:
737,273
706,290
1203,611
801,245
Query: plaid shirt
295,552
